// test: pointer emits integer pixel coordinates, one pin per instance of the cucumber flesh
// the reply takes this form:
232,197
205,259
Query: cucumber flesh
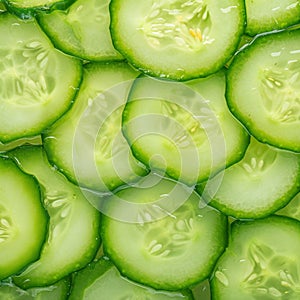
183,129
265,16
86,24
265,180
292,209
23,220
261,261
101,279
263,88
87,143
73,239
177,39
37,82
154,234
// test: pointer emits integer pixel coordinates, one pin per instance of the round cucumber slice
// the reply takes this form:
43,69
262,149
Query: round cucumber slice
23,220
261,261
265,180
154,241
178,39
184,129
263,89
37,82
73,234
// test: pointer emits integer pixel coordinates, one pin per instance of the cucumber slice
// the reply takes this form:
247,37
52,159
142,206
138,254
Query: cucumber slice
292,209
178,39
57,291
261,261
26,9
184,129
87,143
35,140
265,16
73,237
158,235
23,220
263,89
102,280
2,7
82,30
265,180
37,82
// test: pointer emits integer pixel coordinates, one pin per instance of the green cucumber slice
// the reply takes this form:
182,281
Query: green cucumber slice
26,9
35,140
178,39
102,280
87,144
261,261
184,129
265,16
263,89
161,234
73,233
292,209
265,180
23,220
57,291
82,30
37,82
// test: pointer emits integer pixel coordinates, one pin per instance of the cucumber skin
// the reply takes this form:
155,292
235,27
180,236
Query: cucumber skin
249,124
29,13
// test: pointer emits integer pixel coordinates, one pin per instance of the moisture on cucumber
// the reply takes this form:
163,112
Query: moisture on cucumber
102,280
261,261
184,129
263,88
86,26
263,16
87,144
73,233
37,82
161,234
178,39
23,220
265,180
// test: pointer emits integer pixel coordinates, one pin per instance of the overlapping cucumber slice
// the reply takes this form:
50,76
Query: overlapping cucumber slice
86,26
73,234
183,129
177,39
23,220
263,89
37,82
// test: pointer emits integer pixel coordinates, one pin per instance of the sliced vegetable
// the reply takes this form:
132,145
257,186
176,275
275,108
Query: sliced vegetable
265,16
73,237
292,209
101,279
261,261
37,82
23,220
177,39
87,143
162,235
265,180
263,89
184,129
28,8
82,30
